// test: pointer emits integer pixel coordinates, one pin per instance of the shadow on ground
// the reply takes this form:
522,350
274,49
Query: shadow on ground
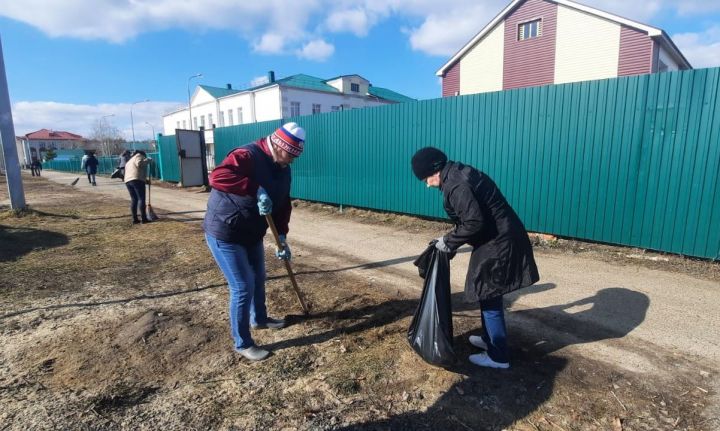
17,242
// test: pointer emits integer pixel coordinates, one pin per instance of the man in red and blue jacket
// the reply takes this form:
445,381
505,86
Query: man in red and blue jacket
252,182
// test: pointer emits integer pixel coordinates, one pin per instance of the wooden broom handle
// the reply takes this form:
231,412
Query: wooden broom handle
280,245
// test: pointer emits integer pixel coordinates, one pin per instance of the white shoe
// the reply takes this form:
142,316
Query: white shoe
254,353
478,342
483,360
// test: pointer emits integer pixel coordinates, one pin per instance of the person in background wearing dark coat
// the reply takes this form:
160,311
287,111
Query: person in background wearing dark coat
89,165
253,181
35,167
502,258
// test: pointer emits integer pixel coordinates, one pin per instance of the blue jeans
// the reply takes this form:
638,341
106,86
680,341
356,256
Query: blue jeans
244,270
136,188
494,332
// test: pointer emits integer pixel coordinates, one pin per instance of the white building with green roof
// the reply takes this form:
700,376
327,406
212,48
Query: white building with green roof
282,98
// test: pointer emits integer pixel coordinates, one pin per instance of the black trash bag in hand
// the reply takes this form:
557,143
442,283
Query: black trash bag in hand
431,331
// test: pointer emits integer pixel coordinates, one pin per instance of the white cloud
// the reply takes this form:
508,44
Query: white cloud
701,49
317,50
351,20
270,43
31,116
444,34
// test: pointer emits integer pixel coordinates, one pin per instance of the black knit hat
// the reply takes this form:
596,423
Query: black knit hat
427,161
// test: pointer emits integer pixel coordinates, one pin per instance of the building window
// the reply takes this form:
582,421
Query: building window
316,108
294,109
222,118
194,123
210,121
530,29
355,88
240,116
335,108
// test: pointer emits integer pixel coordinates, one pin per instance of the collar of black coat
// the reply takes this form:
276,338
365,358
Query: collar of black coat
444,173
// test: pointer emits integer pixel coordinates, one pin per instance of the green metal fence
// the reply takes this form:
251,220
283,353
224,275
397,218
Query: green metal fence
630,161
169,161
106,165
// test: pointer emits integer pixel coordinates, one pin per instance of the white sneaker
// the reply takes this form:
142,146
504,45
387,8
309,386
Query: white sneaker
483,360
478,342
254,353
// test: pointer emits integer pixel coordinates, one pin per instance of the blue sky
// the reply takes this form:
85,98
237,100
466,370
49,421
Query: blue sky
70,63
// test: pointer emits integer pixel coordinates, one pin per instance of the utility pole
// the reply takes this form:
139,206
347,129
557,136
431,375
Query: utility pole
7,141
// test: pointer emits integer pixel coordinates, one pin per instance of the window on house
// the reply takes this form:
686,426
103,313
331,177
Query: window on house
210,121
316,108
355,88
230,117
195,123
221,120
530,29
335,108
294,109
240,116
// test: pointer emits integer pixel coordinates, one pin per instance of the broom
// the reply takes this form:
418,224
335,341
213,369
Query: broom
151,213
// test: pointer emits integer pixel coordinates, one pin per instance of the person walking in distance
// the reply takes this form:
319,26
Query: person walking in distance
252,182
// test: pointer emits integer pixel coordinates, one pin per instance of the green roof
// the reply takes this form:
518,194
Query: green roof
390,95
313,83
218,92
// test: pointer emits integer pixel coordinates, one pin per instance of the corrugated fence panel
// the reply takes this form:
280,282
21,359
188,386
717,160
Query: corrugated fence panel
169,160
630,161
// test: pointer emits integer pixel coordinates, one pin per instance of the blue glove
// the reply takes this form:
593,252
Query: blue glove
283,253
440,245
264,202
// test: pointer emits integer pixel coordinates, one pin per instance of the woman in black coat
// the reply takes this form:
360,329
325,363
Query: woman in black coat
502,257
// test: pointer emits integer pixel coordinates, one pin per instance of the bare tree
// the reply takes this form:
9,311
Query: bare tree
108,137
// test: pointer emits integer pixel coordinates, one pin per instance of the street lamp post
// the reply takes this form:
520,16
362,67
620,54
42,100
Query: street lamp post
153,131
197,75
132,122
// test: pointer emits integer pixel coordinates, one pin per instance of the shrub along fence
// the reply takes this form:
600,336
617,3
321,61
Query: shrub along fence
631,161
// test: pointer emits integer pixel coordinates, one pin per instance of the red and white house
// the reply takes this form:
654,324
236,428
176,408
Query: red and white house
37,143
540,42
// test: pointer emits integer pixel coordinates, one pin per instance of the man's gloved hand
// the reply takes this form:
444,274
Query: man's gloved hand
440,245
284,253
264,202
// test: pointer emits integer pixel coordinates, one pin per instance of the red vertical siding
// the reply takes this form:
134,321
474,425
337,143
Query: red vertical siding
451,80
636,52
530,62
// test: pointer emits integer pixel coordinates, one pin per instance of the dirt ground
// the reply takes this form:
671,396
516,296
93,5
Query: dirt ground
104,325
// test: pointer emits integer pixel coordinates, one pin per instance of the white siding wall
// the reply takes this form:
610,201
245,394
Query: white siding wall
481,69
665,58
326,101
267,104
587,47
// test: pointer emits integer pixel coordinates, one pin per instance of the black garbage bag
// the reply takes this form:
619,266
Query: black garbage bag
431,331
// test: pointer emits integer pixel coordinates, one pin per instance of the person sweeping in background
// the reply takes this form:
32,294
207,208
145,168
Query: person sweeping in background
502,258
135,179
252,181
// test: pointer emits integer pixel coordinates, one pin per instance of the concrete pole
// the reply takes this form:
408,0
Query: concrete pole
7,141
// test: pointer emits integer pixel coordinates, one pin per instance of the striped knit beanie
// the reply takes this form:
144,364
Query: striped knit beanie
290,137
